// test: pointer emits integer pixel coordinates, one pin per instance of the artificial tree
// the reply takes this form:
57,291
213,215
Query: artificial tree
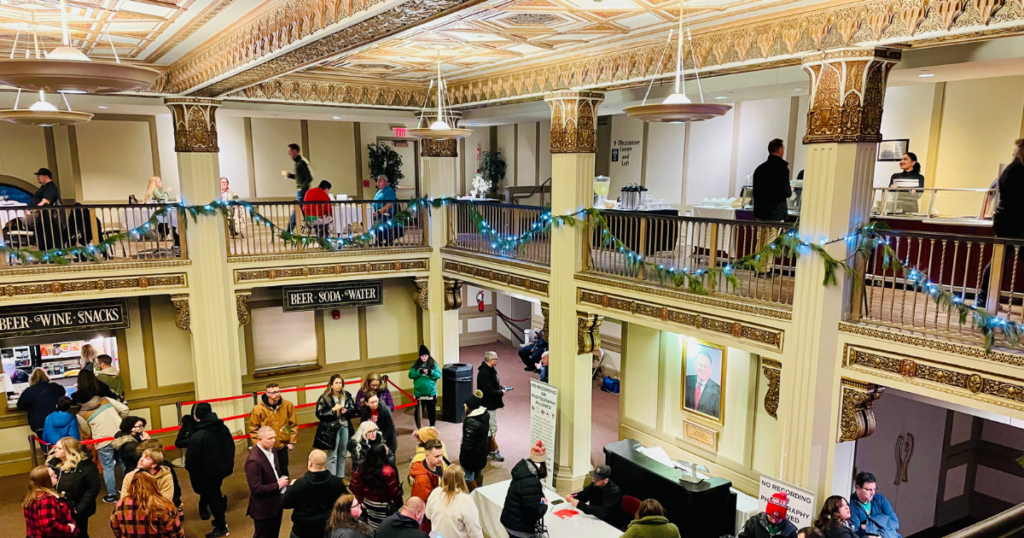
493,168
385,160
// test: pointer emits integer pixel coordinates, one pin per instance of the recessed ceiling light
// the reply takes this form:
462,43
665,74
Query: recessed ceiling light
720,97
103,107
926,74
336,117
474,123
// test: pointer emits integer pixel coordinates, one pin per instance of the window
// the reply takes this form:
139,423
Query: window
282,339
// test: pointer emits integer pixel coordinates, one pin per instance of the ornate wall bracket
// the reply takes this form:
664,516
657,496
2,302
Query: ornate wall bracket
588,332
545,310
847,91
242,306
195,124
184,319
772,370
422,293
574,120
452,294
857,418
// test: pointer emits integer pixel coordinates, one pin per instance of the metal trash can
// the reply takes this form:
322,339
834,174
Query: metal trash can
456,386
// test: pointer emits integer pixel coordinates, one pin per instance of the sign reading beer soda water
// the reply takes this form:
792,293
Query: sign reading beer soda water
334,295
62,318
801,501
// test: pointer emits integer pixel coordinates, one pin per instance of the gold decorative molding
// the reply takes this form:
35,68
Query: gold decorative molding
706,300
79,287
498,277
452,294
762,336
545,311
588,332
857,418
422,293
242,306
183,320
90,267
195,124
355,253
573,120
772,370
847,91
448,147
315,271
453,251
935,344
954,380
333,93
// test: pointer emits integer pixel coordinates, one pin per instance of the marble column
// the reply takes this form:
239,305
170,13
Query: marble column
573,144
216,359
847,88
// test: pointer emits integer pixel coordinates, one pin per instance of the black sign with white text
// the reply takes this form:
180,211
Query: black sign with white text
28,320
334,295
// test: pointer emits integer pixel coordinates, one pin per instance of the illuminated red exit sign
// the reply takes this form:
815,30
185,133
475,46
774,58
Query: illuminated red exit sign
399,131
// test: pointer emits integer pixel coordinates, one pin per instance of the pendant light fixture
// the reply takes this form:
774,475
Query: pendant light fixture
444,126
677,108
43,113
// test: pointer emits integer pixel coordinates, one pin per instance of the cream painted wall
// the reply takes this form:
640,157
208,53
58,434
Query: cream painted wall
641,348
341,336
270,139
760,122
481,139
710,158
233,157
136,351
908,112
172,346
527,154
116,160
332,148
666,144
797,155
545,151
62,147
507,147
400,315
765,432
627,138
23,151
165,147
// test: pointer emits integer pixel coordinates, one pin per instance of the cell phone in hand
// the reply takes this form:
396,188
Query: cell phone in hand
508,388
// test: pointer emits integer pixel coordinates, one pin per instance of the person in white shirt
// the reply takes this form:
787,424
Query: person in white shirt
451,511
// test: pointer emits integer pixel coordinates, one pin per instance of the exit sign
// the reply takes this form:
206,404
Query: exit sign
400,131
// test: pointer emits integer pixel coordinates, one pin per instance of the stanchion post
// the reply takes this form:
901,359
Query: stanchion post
177,408
33,447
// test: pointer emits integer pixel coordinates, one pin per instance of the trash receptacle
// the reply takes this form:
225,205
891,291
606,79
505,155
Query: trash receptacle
456,386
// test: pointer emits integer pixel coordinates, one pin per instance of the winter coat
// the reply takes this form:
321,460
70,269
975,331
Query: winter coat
164,482
475,441
882,521
651,527
383,393
421,455
771,189
210,451
359,448
79,486
112,380
49,517
39,401
524,511
392,492
838,531
100,418
603,503
457,519
126,524
126,444
349,532
424,481
757,527
424,385
1008,219
80,397
398,526
327,431
60,425
280,417
312,498
487,382
386,425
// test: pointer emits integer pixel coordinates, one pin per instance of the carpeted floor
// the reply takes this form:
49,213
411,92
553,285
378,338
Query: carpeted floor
513,420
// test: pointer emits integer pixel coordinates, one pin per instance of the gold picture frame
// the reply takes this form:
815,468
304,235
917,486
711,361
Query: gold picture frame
709,407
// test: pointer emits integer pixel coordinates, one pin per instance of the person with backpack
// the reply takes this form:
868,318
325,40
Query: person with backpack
100,418
476,444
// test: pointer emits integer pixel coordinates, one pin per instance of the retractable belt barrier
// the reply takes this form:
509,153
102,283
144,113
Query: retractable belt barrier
33,439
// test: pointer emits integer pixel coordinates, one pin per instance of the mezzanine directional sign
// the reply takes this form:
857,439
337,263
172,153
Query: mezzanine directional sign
28,320
333,295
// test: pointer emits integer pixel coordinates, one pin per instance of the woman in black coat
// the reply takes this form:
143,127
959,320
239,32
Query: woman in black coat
78,480
132,432
476,443
334,410
365,438
381,416
525,505
40,399
834,519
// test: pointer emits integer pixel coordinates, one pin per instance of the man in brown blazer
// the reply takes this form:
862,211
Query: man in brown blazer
266,485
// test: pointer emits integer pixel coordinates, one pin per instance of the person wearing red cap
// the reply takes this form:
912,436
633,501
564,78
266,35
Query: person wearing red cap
772,522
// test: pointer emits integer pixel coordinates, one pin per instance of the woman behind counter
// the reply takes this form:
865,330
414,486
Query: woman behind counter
155,191
909,178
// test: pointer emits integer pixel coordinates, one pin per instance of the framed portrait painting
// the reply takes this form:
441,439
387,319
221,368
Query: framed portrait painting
704,380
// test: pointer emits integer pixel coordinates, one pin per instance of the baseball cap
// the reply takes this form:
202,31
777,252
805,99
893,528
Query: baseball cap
601,472
44,172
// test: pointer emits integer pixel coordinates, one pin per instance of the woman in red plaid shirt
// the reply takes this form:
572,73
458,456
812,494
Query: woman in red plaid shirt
144,513
47,515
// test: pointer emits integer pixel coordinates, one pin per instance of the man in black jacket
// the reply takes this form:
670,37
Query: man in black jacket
771,185
312,497
404,523
209,459
601,499
476,445
302,176
494,394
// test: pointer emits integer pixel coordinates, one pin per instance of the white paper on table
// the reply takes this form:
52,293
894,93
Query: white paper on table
657,454
583,522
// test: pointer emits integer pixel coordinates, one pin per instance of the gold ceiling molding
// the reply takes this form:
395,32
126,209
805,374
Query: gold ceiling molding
85,268
935,344
99,285
856,415
498,277
316,271
762,336
772,371
241,50
847,91
953,380
334,93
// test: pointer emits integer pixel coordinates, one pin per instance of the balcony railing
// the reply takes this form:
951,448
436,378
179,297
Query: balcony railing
694,245
464,232
346,224
956,263
60,228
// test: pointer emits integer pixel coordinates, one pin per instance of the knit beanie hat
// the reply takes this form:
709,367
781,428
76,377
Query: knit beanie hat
538,453
428,433
778,505
474,400
424,350
202,410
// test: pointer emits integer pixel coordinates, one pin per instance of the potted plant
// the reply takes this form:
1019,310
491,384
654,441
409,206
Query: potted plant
493,167
385,160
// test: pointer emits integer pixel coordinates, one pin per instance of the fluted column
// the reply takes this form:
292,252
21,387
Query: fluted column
844,116
573,144
212,306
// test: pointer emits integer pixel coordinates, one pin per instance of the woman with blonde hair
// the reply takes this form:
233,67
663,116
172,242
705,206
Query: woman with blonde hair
46,514
365,438
344,521
451,511
77,479
155,191
144,513
88,356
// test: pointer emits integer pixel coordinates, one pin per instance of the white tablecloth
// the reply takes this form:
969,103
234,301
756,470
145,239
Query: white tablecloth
491,499
724,213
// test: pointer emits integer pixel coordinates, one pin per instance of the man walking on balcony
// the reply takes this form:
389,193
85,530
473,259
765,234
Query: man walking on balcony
302,176
771,192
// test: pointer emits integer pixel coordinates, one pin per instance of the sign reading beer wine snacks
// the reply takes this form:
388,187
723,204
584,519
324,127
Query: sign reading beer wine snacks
334,295
28,320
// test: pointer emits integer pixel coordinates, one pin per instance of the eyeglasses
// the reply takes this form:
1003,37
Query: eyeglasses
276,393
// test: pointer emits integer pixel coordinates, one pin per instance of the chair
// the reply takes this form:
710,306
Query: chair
630,505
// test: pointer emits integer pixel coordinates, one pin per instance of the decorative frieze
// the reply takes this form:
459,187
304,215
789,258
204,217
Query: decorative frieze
333,93
856,416
316,271
574,120
452,294
497,277
79,287
772,371
847,90
184,319
588,332
242,306
935,344
763,336
195,124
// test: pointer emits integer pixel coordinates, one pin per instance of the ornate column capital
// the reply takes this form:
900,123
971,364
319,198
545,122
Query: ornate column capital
448,147
195,124
573,120
772,370
452,294
184,318
856,416
242,306
847,90
588,332
422,294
